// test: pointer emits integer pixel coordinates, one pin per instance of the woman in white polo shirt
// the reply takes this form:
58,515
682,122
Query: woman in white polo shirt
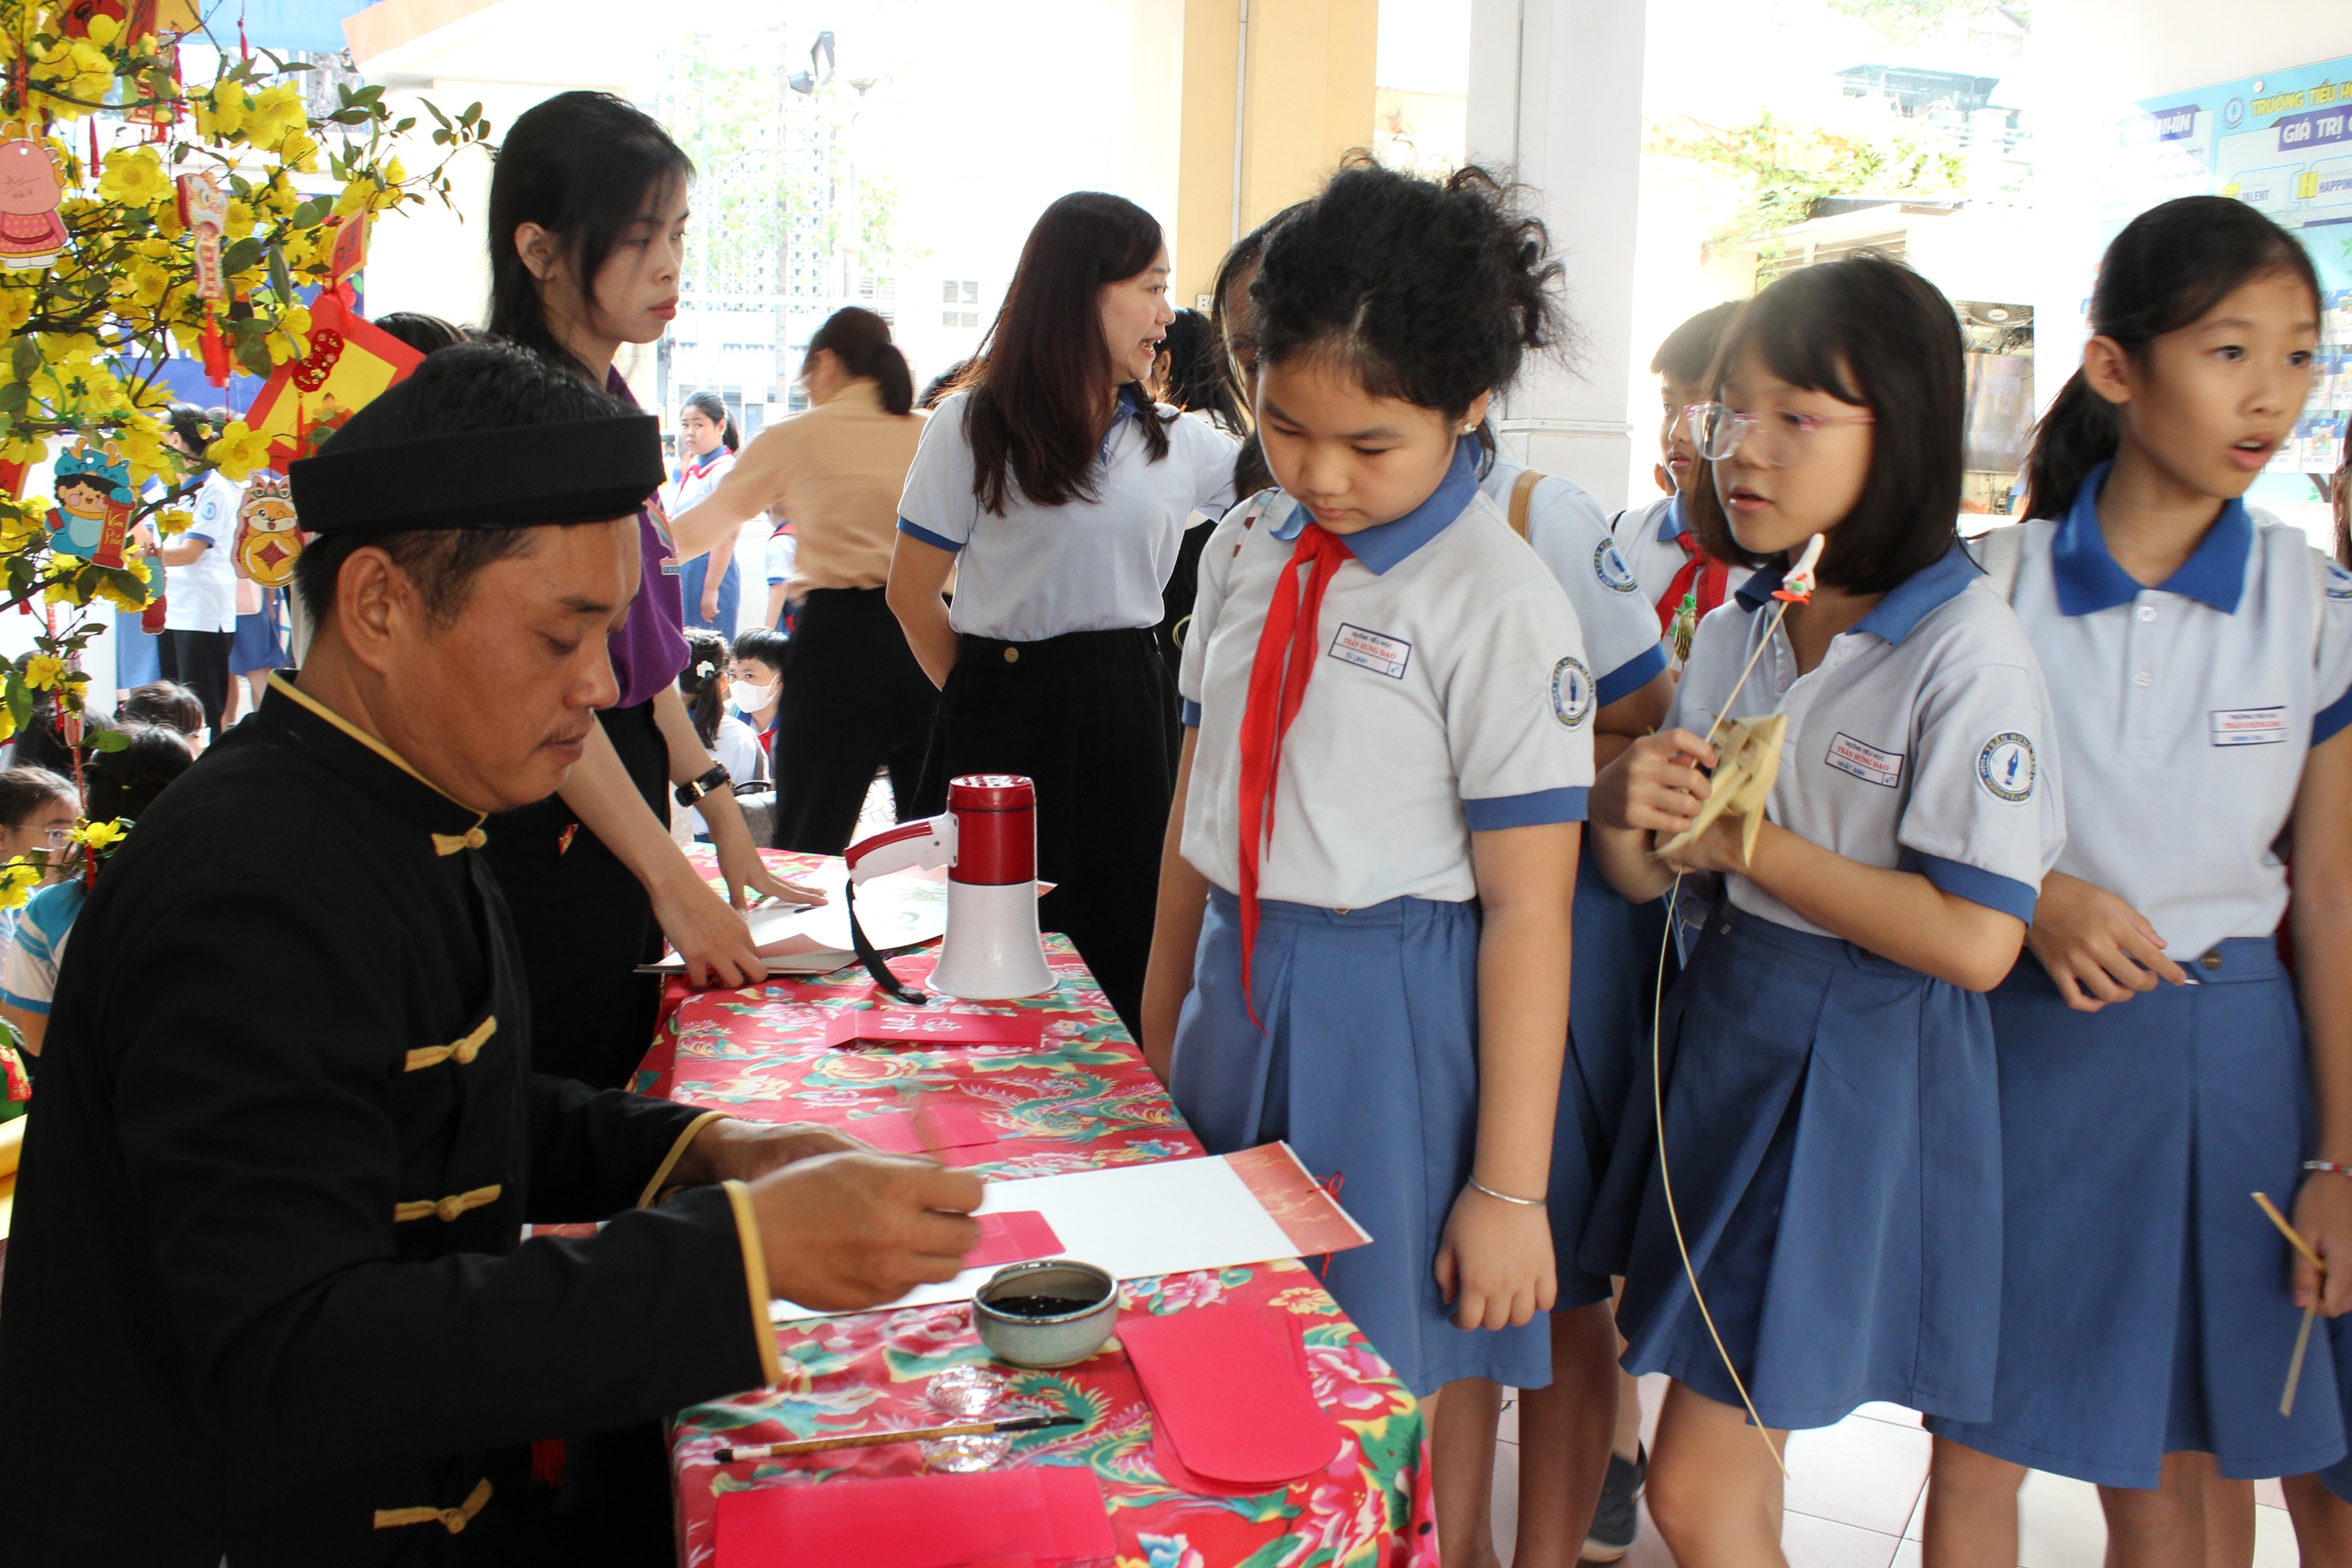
1057,491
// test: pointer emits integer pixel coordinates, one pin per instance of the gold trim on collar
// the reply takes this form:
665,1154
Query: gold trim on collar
451,1519
444,1209
473,838
462,1051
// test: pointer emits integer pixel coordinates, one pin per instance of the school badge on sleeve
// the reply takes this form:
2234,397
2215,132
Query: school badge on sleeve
1571,692
2005,767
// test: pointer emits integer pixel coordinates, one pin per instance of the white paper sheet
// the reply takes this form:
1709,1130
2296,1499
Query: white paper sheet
901,909
1133,1220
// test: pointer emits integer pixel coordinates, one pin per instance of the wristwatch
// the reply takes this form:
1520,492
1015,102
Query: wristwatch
695,789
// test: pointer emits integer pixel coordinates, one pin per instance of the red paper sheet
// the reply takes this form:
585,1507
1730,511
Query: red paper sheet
1230,1394
928,1026
1052,1514
940,1126
1015,1236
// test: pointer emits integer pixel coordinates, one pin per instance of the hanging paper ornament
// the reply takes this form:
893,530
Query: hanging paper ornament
350,251
94,502
73,20
268,541
14,469
350,363
32,184
144,108
204,208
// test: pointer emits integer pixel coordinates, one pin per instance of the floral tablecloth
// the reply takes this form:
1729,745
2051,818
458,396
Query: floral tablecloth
1084,1098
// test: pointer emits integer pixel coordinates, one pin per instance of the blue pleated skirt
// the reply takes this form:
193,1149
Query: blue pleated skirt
1834,1141
1367,1065
2146,1300
1615,991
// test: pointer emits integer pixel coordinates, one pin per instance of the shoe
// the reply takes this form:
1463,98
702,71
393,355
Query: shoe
1613,1522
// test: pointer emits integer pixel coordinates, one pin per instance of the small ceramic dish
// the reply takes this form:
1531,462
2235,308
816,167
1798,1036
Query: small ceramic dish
1051,1314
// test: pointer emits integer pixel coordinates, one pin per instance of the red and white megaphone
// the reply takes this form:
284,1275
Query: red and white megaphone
987,840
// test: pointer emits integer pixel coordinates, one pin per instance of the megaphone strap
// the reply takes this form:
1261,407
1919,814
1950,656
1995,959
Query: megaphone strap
871,957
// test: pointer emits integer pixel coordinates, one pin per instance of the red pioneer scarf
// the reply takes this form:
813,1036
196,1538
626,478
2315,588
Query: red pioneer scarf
1278,677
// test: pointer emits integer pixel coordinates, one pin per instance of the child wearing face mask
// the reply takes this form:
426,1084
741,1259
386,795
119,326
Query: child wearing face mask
1364,907
758,672
1831,1125
2157,1063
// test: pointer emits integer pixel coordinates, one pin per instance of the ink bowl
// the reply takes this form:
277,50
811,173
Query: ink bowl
1053,1313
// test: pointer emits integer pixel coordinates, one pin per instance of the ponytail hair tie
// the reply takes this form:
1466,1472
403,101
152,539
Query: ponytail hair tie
706,669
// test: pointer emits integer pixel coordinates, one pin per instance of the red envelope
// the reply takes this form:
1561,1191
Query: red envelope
1015,1236
1231,1395
927,1026
1051,1513
1170,1465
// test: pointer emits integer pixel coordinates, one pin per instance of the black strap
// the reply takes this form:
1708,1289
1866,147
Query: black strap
871,957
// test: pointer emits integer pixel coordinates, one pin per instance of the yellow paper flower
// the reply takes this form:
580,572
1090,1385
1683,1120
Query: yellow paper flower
99,835
135,177
240,221
8,723
239,449
18,878
225,114
42,670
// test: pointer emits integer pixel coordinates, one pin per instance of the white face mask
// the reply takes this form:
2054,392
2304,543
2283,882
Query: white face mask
751,698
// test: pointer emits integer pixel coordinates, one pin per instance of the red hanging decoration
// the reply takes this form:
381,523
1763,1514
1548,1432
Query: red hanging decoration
95,167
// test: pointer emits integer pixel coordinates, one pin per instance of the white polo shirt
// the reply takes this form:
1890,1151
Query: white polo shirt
1569,534
2187,710
1038,571
1921,742
202,595
1451,696
1648,537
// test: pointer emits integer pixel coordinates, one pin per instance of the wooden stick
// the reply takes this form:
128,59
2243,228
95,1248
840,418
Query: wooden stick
2302,1334
904,1435
2295,1367
2293,1240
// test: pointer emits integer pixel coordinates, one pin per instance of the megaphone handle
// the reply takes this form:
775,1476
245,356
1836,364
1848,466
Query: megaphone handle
871,957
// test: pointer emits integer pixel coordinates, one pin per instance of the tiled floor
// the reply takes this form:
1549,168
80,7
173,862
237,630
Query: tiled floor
1856,1491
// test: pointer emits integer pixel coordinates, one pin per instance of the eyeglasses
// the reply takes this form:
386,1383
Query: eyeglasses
57,838
1777,439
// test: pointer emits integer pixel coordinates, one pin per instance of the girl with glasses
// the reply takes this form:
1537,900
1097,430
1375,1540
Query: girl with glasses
1831,1126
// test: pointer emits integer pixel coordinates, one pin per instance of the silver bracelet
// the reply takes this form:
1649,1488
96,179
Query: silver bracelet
1505,1196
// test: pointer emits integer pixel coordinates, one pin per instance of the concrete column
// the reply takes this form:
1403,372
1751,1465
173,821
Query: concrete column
1555,96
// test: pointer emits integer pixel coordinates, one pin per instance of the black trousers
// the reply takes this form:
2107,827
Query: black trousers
854,701
199,661
585,921
1091,717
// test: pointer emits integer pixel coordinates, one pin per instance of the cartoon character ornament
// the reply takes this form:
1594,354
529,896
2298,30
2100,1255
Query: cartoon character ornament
32,184
92,517
269,540
204,208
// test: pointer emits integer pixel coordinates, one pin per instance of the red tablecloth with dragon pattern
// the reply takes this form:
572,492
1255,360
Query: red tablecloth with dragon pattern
1084,1098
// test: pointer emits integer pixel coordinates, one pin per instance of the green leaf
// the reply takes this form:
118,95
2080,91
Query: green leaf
110,741
21,698
240,254
438,117
253,354
13,397
279,279
24,358
473,113
349,116
313,213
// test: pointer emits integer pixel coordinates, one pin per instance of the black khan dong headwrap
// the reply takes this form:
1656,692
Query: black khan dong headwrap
373,477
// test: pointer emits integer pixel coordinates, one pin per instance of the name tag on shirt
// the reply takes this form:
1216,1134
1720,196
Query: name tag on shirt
1865,761
2248,726
1370,651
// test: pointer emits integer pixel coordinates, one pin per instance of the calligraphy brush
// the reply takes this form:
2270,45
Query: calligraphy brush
2302,1334
1796,588
902,1435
